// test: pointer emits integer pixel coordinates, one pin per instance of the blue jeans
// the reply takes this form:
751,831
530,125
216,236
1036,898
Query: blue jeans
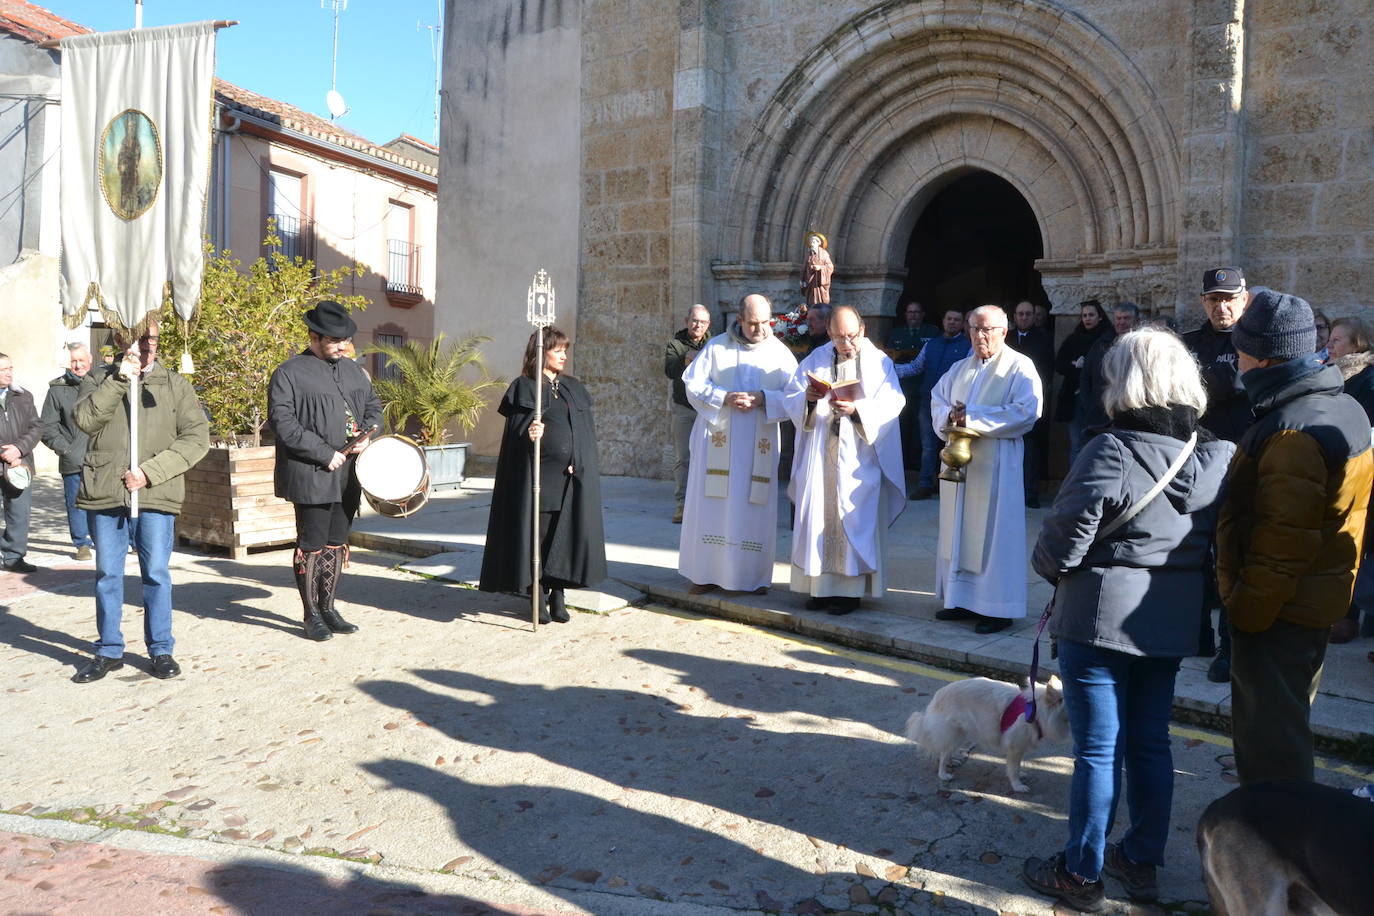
77,524
151,534
1119,708
930,443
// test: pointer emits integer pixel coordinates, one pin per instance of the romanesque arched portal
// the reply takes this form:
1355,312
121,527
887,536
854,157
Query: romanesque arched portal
879,116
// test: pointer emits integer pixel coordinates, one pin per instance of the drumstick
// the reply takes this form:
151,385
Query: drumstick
359,438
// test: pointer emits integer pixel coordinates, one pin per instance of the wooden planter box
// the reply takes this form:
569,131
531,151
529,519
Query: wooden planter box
229,502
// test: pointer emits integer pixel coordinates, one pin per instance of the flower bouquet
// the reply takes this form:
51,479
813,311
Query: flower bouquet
790,327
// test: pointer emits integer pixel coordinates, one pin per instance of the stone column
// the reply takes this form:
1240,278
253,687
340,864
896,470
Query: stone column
697,103
1213,144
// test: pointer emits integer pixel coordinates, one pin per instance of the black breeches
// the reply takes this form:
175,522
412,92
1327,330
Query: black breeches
319,524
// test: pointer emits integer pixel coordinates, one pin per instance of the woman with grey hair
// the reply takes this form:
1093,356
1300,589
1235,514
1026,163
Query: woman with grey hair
1125,544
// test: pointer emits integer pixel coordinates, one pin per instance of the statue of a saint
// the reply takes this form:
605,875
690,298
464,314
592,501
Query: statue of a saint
816,271
127,164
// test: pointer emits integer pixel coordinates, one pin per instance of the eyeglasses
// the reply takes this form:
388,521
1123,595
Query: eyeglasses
1220,298
847,338
985,328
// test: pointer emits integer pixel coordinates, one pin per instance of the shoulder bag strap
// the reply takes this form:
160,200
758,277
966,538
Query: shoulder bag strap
1157,489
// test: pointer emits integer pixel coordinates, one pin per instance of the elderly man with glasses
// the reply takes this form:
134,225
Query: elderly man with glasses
847,481
996,393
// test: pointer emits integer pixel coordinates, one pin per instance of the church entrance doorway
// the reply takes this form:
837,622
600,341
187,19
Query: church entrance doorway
975,242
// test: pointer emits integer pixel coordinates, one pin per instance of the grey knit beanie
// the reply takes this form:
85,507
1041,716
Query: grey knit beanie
1275,326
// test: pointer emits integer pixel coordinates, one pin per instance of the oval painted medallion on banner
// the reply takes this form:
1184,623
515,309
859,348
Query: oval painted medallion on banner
130,164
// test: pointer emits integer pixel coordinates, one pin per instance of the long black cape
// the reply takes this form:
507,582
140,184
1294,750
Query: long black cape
577,551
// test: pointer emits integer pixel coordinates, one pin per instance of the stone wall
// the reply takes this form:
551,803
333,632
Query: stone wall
1307,110
629,54
509,175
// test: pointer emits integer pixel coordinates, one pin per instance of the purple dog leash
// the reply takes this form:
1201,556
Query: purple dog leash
1035,660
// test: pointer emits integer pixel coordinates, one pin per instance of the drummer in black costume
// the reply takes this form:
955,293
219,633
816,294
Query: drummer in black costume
321,407
573,543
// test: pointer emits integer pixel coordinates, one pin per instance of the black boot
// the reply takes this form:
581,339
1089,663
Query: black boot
331,568
557,609
543,606
307,568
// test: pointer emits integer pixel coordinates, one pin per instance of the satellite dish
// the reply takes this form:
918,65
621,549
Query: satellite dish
335,102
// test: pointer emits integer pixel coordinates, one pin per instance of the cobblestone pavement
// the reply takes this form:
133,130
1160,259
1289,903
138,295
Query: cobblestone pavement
446,759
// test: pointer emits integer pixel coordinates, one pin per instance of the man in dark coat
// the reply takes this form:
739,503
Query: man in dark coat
63,436
574,551
323,410
1038,344
1290,533
19,433
681,350
1224,298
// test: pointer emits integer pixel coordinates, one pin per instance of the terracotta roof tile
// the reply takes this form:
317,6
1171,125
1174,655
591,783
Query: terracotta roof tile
305,122
34,22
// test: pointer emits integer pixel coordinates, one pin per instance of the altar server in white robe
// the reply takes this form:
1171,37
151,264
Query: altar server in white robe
847,478
730,517
980,566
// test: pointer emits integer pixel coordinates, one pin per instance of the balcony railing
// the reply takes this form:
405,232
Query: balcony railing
403,269
297,236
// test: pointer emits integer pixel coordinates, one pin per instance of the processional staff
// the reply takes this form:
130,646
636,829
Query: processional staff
539,304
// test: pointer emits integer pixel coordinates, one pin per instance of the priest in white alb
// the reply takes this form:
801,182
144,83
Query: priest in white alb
847,479
980,566
730,517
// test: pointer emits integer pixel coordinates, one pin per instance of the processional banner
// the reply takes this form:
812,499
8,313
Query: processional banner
137,108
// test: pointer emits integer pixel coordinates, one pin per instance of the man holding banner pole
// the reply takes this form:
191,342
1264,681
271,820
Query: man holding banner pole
173,435
135,166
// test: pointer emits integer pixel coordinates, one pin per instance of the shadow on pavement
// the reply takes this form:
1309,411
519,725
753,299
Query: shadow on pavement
801,781
571,842
257,889
769,689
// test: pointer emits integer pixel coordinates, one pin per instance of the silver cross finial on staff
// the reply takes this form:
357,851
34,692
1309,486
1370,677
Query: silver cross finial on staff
539,304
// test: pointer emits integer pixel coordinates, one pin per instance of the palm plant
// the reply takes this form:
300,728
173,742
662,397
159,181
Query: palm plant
429,386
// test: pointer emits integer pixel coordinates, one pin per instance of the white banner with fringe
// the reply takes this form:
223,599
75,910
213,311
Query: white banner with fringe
137,108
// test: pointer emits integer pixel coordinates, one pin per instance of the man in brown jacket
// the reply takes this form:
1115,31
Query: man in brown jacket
1290,533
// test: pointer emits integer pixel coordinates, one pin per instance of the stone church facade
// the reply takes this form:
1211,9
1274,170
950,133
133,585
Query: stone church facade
655,153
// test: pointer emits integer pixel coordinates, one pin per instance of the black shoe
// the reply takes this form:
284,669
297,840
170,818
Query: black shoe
97,668
1032,502
336,623
955,613
1051,878
21,565
164,666
922,493
544,607
558,610
818,604
841,606
1138,878
1219,672
315,628
992,625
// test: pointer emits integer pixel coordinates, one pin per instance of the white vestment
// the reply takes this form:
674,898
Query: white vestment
981,561
847,478
730,517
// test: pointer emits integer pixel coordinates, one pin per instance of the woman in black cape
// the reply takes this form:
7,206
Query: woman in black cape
573,542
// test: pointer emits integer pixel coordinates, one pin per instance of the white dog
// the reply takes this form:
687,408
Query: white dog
986,713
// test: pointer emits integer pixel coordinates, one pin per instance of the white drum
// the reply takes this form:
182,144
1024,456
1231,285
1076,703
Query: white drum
393,475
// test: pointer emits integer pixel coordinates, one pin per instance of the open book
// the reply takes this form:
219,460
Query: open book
843,391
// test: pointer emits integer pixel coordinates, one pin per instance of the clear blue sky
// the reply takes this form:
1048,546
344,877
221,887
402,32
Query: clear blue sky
282,49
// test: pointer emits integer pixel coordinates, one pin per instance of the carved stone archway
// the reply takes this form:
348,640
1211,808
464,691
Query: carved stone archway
912,93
